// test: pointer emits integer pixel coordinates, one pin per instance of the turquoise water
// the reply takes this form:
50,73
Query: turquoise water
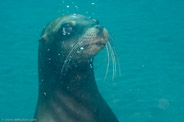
148,37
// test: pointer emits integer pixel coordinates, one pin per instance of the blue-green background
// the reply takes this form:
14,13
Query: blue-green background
148,36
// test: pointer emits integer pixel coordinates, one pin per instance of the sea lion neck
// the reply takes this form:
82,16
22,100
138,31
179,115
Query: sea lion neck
76,78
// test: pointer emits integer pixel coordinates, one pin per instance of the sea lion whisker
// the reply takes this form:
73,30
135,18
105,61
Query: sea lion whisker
116,57
112,56
115,54
107,68
69,55
73,52
110,40
113,61
79,45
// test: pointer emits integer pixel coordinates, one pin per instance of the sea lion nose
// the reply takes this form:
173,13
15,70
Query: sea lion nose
100,28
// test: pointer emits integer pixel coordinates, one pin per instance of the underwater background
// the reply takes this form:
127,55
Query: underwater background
148,36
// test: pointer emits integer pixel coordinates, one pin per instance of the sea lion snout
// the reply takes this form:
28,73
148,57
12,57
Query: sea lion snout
99,27
102,32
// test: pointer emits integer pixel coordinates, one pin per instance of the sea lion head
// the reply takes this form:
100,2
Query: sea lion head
72,37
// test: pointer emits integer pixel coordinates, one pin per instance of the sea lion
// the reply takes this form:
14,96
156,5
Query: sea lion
67,86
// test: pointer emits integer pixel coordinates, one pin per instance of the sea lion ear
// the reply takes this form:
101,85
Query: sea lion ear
43,38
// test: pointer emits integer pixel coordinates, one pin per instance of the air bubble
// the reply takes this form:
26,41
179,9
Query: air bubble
74,15
82,48
64,33
91,66
92,3
45,93
68,6
76,7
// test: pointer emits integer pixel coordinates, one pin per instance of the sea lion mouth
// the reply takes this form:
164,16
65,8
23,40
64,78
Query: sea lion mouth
99,44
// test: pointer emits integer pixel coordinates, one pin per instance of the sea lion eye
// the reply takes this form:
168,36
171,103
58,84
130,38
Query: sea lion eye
67,29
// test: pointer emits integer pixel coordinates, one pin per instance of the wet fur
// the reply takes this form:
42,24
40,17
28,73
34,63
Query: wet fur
67,86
